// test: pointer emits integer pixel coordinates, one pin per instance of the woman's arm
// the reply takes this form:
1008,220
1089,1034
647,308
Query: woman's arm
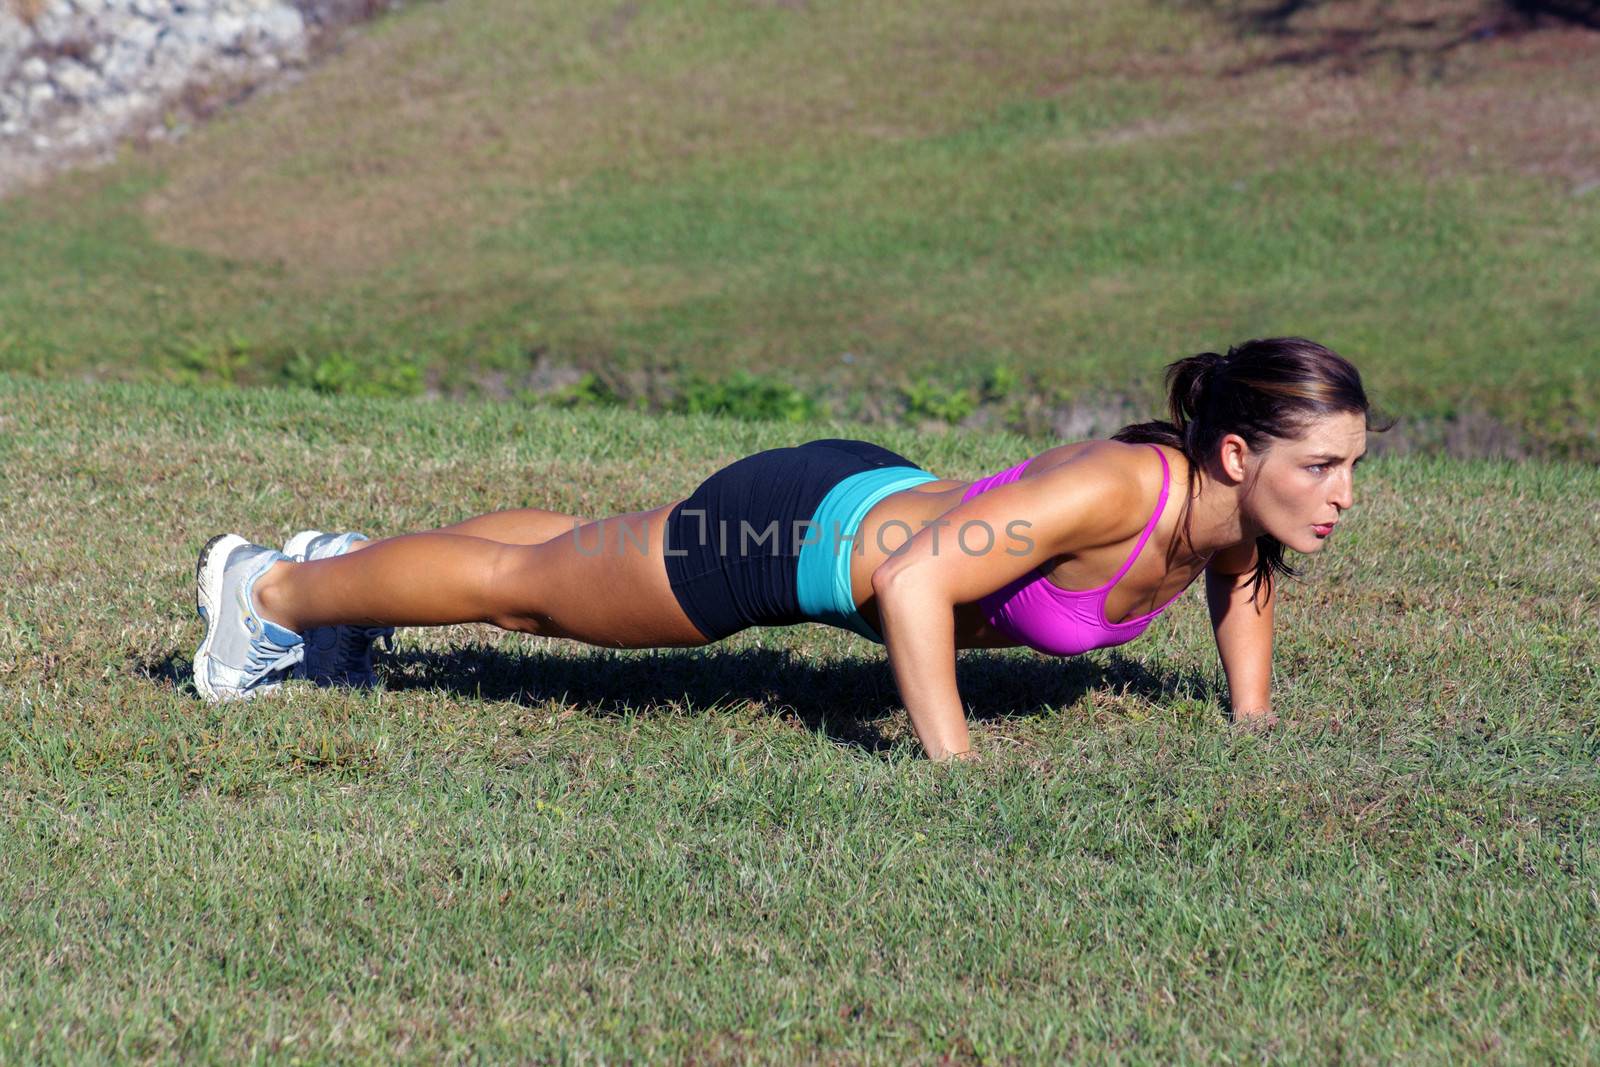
1090,501
919,632
1244,635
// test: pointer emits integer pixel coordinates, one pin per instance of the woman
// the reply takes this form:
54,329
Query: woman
1072,549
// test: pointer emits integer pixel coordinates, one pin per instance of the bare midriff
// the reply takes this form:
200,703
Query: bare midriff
1147,585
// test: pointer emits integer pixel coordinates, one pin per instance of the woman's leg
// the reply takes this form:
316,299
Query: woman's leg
514,526
604,583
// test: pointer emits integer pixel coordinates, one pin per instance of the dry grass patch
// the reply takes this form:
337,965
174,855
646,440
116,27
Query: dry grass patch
424,132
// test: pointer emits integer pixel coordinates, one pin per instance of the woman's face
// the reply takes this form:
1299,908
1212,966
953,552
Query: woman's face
1304,486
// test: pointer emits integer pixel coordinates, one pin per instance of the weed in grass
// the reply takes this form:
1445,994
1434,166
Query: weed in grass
931,399
999,382
588,391
337,372
743,395
209,362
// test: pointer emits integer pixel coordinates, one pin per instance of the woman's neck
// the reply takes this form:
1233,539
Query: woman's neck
1217,519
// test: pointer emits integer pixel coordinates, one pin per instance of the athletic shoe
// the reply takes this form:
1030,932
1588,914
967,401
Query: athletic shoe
242,654
336,655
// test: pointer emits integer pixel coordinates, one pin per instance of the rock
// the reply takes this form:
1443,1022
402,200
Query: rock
56,25
12,32
226,28
86,73
123,66
175,60
74,80
136,34
283,24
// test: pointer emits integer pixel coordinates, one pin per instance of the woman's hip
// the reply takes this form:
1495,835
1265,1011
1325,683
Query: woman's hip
764,540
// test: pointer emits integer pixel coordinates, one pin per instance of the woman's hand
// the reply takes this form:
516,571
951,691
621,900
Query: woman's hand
1254,718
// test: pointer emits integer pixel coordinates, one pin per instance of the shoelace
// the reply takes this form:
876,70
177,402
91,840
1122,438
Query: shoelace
267,659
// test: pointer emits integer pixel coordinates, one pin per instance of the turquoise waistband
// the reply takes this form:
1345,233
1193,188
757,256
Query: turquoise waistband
823,568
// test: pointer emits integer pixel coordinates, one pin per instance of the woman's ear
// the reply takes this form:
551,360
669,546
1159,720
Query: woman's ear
1234,455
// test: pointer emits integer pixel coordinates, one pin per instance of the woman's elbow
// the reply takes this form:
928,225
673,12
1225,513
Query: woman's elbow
907,594
885,577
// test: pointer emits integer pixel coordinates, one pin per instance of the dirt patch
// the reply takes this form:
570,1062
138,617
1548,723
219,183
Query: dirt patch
1520,104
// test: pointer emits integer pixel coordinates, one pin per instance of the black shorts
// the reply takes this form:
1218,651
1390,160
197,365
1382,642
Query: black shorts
731,546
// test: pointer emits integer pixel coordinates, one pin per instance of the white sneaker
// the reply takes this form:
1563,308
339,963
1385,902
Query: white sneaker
336,655
242,655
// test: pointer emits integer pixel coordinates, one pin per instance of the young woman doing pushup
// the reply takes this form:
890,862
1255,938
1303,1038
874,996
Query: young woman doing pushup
1079,547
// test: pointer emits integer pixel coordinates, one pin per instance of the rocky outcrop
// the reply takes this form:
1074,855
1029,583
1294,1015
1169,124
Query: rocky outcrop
77,77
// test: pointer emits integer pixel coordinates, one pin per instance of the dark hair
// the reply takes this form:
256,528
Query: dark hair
1272,388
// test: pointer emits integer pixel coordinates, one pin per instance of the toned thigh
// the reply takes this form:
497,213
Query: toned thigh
605,583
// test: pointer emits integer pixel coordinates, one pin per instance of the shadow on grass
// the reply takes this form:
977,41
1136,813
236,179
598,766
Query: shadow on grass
849,702
1418,36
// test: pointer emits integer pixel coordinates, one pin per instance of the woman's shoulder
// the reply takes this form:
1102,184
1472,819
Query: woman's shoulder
1109,486
1118,465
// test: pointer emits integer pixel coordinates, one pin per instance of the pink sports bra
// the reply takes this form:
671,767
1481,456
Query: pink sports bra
1056,621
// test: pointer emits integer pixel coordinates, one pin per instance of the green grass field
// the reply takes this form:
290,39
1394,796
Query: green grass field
507,255
528,850
863,202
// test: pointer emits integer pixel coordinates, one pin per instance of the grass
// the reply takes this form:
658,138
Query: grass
854,200
900,216
525,849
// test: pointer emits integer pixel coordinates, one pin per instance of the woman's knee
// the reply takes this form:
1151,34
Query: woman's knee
518,598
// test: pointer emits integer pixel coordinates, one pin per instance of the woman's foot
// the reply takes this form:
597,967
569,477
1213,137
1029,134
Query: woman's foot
242,655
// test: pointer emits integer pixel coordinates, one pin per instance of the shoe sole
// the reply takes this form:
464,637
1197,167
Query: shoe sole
208,600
